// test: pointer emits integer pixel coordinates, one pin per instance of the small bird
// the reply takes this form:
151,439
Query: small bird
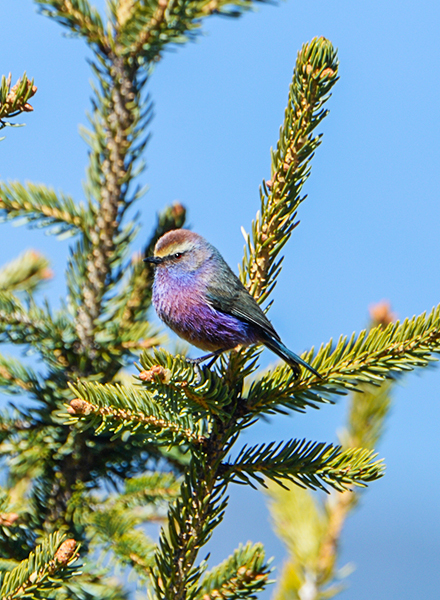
199,297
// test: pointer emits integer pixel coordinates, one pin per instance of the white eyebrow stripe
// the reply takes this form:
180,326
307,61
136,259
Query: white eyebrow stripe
174,248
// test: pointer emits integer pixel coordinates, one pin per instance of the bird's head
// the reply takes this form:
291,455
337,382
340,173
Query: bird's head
180,250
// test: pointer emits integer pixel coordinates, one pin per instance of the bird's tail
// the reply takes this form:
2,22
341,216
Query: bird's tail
292,359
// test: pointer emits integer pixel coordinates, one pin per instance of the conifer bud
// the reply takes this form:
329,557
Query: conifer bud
156,372
8,519
65,552
381,314
80,407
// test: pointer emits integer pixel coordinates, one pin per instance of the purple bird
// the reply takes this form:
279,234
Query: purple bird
198,296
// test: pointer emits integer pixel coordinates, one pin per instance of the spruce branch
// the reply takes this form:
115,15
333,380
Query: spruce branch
117,533
45,570
366,419
150,489
368,409
370,405
369,358
51,336
122,344
146,27
277,390
35,203
25,273
380,353
118,121
15,378
179,382
305,463
122,10
95,584
114,524
300,522
192,518
112,122
80,17
14,99
315,73
312,530
243,575
16,322
128,410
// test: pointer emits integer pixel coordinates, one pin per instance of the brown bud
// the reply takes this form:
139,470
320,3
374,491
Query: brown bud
177,210
65,551
381,313
8,519
47,274
156,372
5,373
80,407
212,6
327,73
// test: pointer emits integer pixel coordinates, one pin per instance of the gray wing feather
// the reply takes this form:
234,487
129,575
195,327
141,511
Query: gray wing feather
228,295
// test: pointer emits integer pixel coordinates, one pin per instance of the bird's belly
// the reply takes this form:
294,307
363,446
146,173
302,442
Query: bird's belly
194,320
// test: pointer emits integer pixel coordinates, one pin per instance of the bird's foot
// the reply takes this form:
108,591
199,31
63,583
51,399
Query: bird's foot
212,355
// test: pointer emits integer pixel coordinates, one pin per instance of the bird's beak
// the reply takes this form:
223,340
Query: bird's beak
156,260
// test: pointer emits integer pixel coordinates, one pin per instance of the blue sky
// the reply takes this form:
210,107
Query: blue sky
369,228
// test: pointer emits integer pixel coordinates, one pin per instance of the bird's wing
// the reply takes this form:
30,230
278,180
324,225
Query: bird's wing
228,295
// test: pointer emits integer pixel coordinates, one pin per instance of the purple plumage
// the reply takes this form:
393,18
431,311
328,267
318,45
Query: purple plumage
198,296
180,301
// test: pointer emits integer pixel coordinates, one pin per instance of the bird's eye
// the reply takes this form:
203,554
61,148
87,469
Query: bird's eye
178,255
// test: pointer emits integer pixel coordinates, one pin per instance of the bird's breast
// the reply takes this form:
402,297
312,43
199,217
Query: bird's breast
174,296
178,301
182,304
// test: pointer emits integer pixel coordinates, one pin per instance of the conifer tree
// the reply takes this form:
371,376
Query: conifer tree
169,440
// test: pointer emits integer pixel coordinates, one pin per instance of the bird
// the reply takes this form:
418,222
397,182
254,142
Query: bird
200,298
